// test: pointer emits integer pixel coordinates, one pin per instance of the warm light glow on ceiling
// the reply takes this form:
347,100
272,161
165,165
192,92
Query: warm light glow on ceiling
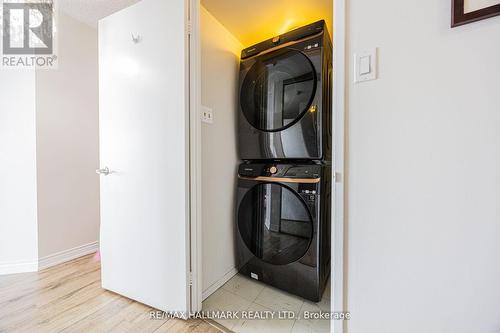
285,27
252,21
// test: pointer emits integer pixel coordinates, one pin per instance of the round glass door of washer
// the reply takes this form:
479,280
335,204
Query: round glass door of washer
275,223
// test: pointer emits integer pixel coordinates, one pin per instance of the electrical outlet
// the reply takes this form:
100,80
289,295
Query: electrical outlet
207,115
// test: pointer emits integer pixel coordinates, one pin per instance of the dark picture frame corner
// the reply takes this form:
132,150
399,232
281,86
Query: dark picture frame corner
459,17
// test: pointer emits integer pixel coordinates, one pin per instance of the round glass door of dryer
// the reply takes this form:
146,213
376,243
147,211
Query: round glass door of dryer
278,90
275,224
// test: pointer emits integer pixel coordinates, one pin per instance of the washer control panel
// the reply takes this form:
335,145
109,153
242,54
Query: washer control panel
280,170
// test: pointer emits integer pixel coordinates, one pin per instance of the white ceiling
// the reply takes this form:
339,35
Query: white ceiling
252,21
91,11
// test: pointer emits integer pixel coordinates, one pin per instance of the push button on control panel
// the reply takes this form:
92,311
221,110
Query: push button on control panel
310,195
308,191
273,170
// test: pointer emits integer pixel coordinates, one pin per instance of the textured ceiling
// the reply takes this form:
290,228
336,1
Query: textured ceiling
91,11
252,21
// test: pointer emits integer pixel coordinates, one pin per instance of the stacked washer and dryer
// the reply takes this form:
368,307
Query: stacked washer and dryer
283,209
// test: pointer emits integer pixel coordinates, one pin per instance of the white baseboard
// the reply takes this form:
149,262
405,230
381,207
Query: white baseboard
48,261
67,255
219,283
18,267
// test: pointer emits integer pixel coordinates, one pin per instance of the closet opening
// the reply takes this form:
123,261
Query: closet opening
266,163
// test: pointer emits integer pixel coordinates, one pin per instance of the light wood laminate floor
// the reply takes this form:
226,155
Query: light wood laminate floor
69,298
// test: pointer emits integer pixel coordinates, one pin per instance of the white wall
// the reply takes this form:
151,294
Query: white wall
18,220
68,142
220,70
423,236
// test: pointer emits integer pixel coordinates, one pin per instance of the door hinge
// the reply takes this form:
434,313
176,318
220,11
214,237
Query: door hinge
190,278
189,28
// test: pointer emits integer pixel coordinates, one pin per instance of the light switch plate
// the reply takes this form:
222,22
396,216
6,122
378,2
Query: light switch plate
207,115
365,66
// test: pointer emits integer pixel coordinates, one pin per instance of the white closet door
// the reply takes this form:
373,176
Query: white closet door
144,144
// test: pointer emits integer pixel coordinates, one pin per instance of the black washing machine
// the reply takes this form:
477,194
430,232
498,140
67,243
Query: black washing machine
283,226
285,97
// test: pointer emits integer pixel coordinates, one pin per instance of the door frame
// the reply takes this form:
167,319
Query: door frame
338,190
193,44
338,284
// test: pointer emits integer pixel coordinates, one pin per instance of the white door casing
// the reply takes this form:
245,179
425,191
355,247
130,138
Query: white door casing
144,141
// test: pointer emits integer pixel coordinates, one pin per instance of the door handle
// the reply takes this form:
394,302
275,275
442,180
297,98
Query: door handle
104,171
